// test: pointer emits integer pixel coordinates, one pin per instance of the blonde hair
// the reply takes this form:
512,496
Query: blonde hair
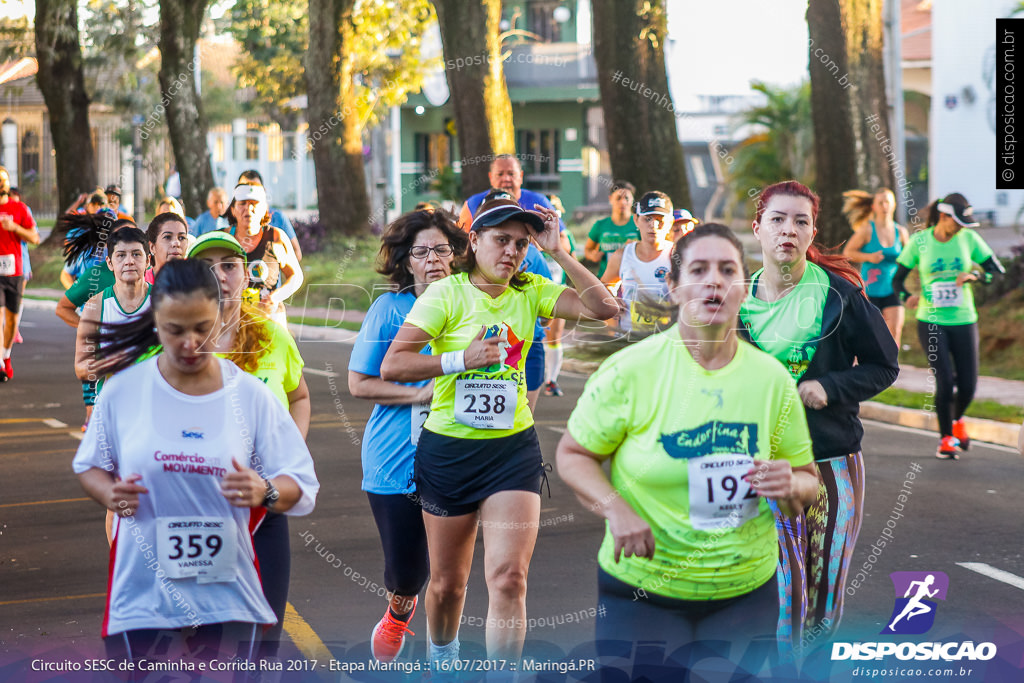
174,206
858,205
252,340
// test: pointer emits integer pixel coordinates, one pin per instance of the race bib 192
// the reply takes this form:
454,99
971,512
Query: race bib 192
719,497
201,547
485,404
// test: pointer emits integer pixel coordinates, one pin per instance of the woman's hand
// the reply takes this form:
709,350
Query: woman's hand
771,479
426,393
243,488
962,278
124,495
813,394
482,353
633,536
912,301
549,240
874,257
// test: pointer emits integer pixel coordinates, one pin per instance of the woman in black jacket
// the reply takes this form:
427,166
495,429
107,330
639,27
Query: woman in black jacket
808,310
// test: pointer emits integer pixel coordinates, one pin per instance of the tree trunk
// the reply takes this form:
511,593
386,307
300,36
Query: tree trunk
848,105
639,118
835,146
334,129
483,112
62,83
180,24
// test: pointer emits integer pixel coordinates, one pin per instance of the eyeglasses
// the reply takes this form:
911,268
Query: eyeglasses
441,250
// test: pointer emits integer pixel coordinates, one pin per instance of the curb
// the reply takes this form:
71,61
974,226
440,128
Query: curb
987,431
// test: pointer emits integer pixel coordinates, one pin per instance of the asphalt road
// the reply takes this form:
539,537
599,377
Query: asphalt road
53,555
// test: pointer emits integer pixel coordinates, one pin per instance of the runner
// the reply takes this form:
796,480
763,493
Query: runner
416,249
187,441
274,271
641,267
168,240
807,309
26,264
611,233
277,218
478,461
947,321
16,226
85,239
267,351
876,242
690,548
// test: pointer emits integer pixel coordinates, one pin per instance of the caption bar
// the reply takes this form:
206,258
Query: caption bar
1009,137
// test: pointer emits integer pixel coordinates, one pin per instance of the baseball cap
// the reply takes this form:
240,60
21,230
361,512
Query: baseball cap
215,239
654,203
957,206
499,206
113,189
682,215
245,192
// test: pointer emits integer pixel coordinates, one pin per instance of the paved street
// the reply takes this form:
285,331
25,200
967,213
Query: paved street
53,556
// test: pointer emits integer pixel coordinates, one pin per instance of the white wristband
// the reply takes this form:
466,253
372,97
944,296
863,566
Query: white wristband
453,362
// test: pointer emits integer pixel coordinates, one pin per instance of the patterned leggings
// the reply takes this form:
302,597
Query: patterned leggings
815,552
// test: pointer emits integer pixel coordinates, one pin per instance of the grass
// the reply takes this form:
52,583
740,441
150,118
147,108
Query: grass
989,410
324,322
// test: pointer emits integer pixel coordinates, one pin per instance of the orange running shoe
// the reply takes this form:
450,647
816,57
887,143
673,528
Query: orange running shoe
388,637
960,434
948,449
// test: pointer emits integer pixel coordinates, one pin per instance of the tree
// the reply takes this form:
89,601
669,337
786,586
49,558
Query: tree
471,39
629,48
363,58
847,87
180,25
62,82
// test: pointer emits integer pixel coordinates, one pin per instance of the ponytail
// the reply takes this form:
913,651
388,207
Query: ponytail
857,206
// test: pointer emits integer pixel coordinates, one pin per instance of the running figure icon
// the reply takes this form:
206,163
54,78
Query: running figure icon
915,607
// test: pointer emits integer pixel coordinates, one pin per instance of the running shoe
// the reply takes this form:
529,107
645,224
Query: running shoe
960,434
8,371
552,389
388,637
18,339
948,449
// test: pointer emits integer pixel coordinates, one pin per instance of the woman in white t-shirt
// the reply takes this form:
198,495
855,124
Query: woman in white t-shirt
640,268
182,447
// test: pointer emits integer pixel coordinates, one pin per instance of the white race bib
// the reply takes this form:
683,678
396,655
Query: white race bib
947,295
201,547
486,403
719,497
7,265
420,411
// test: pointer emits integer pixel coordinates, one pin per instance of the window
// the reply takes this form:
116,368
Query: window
538,155
29,155
540,19
433,151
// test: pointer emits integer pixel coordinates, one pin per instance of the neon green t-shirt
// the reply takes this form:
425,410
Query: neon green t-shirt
610,237
789,329
281,367
680,438
938,264
490,402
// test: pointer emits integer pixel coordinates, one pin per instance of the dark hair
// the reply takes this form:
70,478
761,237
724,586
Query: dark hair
126,234
701,230
153,229
250,175
622,185
97,197
231,203
398,238
466,263
86,234
835,263
127,342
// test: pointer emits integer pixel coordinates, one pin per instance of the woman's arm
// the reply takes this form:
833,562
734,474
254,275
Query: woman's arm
119,496
852,250
291,271
405,363
792,488
66,279
85,350
592,251
253,489
66,311
581,470
385,393
299,406
611,270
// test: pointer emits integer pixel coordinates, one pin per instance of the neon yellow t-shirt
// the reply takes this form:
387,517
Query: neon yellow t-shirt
489,402
680,438
281,367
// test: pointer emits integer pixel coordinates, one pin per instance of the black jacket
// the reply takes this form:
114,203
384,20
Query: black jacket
851,329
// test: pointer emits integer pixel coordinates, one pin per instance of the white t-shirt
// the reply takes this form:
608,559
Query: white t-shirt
168,570
643,282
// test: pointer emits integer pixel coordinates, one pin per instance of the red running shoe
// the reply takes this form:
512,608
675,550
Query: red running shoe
7,372
948,449
388,637
960,434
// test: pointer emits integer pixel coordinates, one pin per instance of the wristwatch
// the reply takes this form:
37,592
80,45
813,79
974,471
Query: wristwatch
271,496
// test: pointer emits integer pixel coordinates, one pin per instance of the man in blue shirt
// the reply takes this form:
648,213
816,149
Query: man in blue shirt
217,203
506,174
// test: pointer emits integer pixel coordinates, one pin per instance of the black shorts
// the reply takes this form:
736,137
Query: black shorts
454,475
10,292
884,302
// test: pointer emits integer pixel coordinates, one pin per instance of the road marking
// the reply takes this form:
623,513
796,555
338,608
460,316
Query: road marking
925,432
56,424
18,420
65,597
77,435
303,635
44,502
993,573
322,373
55,450
560,430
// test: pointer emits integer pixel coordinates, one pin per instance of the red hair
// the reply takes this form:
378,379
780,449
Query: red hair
835,263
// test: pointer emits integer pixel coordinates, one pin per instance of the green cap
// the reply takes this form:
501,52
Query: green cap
216,239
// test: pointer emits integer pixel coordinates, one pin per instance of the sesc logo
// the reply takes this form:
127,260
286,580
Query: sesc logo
914,612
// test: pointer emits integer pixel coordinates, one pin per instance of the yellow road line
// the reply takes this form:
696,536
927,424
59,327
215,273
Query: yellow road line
44,502
19,420
303,635
65,597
